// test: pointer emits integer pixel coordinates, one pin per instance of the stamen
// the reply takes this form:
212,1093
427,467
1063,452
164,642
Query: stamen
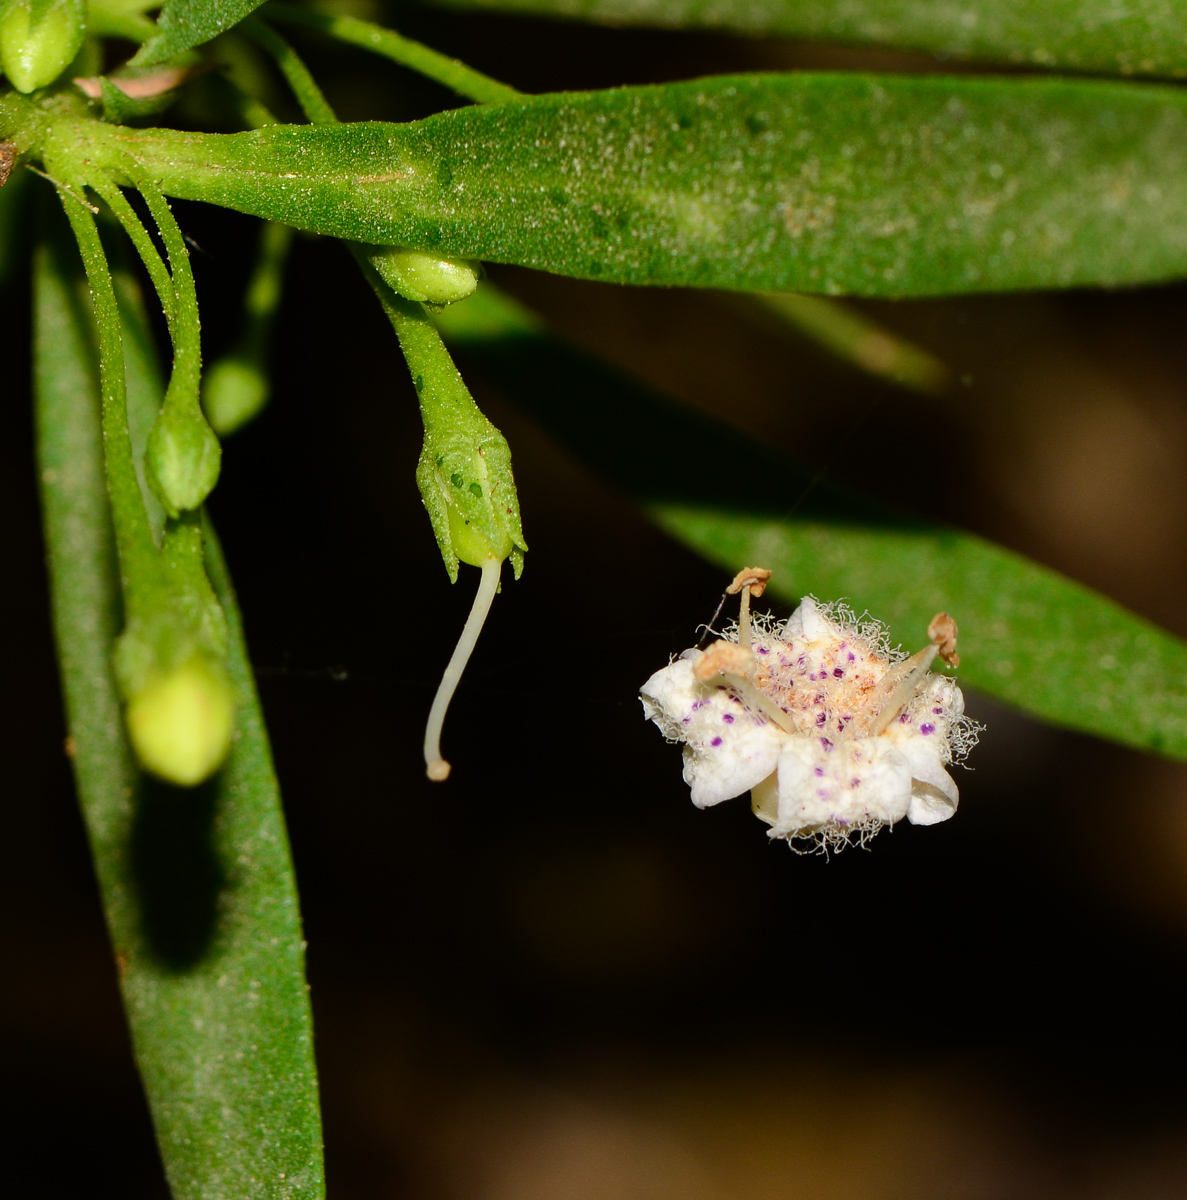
744,619
749,581
897,687
904,678
436,768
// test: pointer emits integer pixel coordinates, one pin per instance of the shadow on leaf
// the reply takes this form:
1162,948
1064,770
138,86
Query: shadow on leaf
176,870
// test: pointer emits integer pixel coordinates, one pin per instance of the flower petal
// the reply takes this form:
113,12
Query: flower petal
850,783
727,749
934,794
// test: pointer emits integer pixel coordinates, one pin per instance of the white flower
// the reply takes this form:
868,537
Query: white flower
834,734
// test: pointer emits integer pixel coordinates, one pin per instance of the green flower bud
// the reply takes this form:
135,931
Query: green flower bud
234,391
181,723
182,458
424,277
465,480
39,39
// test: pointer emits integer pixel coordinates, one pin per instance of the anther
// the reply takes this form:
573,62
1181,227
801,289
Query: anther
942,631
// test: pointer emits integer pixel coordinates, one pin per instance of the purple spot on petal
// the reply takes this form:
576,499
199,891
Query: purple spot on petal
838,673
852,656
820,719
903,719
763,650
715,742
855,782
820,771
728,718
688,720
826,744
926,728
938,711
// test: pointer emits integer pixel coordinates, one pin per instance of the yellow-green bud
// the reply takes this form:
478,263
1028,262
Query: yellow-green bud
39,39
424,277
234,391
182,458
181,723
469,542
465,480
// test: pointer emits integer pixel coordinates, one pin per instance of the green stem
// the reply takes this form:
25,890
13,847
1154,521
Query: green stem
187,341
474,85
145,247
313,103
856,339
139,564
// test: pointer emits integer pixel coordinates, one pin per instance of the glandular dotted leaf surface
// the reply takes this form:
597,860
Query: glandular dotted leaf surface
889,186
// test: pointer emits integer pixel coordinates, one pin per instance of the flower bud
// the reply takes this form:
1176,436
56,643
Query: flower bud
39,39
234,391
424,277
469,491
182,458
181,723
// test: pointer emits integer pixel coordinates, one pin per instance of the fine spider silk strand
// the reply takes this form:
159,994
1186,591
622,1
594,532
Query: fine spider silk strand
436,768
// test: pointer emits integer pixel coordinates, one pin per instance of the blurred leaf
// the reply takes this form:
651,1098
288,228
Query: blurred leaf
1137,37
853,337
197,884
821,183
184,24
1027,635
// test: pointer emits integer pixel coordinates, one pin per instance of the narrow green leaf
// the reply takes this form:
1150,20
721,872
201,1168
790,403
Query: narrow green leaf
184,24
1137,37
1027,635
891,185
197,884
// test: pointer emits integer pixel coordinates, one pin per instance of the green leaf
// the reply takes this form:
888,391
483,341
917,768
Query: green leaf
184,24
888,186
1138,37
197,884
1047,645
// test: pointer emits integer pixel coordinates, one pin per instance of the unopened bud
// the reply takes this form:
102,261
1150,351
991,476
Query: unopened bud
181,724
182,458
469,492
424,277
39,39
234,391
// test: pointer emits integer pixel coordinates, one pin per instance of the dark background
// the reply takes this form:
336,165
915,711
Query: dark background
552,977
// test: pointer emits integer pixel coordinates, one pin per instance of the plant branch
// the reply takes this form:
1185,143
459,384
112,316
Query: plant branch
456,76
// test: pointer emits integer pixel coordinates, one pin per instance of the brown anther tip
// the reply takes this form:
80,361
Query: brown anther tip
755,577
7,158
942,632
438,771
722,658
